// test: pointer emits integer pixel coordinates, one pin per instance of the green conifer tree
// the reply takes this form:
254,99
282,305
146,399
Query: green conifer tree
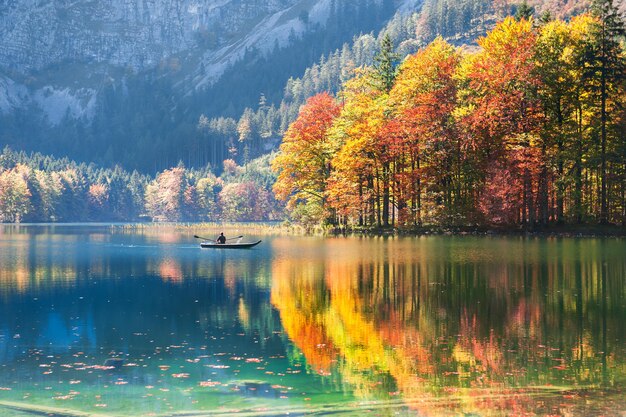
524,11
385,63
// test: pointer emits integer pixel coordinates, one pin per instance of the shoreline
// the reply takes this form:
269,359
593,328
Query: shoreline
543,231
282,228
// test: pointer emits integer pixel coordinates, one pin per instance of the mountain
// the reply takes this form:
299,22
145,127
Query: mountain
137,34
85,78
127,81
57,54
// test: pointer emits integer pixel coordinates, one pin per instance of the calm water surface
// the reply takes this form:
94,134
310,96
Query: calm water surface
117,322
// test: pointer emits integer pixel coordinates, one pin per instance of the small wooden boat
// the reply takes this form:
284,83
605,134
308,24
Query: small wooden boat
214,245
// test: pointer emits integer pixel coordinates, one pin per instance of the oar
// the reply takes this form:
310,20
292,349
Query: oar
206,238
200,237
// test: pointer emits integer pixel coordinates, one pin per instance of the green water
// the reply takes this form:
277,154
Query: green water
302,325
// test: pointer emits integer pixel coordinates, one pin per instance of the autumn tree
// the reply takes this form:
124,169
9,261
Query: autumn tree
14,195
604,67
516,133
427,147
565,103
165,195
354,188
304,160
501,111
244,202
98,200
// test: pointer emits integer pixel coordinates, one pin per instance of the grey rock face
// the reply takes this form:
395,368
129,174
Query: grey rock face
35,34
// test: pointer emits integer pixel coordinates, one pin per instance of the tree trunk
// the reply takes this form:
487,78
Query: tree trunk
543,196
524,201
604,217
560,188
458,200
543,189
624,195
372,201
578,169
378,201
419,193
386,194
361,211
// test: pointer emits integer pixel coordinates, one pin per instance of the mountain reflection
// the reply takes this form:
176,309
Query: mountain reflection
96,292
471,320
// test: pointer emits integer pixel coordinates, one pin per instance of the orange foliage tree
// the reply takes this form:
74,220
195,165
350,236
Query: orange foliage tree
426,144
304,161
510,134
354,187
501,111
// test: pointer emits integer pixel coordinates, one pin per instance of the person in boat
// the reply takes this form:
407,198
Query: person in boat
221,239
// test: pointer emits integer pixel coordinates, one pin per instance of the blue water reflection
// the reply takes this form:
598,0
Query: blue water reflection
119,321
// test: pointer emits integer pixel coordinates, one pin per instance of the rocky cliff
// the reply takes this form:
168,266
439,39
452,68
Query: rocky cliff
36,34
56,54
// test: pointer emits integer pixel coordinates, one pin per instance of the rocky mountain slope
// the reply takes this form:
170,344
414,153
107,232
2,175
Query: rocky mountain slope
56,54
36,34
86,78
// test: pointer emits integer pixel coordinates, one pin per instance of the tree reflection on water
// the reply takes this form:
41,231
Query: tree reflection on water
435,325
469,325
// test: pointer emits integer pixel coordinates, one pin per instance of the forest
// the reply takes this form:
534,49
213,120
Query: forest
150,120
527,130
38,188
147,120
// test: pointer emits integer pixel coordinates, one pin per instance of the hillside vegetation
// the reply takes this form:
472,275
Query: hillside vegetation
38,188
527,130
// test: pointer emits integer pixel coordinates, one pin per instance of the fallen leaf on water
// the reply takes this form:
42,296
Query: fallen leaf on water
209,383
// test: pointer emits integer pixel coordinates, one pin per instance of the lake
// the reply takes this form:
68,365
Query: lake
117,321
